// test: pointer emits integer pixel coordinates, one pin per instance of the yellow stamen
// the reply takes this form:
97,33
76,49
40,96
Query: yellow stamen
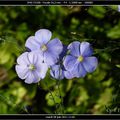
31,67
80,58
43,47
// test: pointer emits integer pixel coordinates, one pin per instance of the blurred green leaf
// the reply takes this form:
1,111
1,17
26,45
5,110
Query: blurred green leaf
97,11
114,32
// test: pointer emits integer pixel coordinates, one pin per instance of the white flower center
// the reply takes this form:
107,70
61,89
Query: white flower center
43,47
80,58
31,67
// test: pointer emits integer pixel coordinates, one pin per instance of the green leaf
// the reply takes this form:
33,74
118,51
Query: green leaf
118,65
97,11
114,32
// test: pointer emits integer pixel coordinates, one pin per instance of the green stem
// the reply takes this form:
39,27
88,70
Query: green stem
52,97
60,95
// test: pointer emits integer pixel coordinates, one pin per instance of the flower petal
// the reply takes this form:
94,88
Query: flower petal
37,76
90,63
33,77
68,75
57,72
69,62
43,36
22,71
35,57
41,69
32,44
30,78
78,70
85,49
55,46
49,58
22,59
74,48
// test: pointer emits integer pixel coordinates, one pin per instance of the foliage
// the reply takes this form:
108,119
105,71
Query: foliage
97,93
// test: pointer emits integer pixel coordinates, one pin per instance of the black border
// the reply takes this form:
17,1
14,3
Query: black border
59,2
60,116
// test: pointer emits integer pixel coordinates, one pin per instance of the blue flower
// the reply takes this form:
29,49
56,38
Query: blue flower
30,67
80,61
48,49
58,71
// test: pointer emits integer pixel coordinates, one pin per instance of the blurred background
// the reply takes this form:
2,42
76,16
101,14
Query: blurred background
96,93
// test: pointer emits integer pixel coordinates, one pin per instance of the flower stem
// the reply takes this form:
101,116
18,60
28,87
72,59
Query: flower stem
60,95
52,97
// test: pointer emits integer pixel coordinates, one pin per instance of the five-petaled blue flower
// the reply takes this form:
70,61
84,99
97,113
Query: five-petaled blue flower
48,49
30,67
58,71
80,61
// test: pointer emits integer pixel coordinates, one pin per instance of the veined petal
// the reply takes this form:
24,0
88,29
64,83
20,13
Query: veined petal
35,57
32,56
69,62
55,46
30,78
22,71
85,49
22,59
37,76
74,48
49,58
42,70
78,70
32,44
68,75
57,72
43,36
90,63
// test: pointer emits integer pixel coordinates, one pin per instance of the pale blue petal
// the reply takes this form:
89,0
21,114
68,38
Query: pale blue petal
49,58
22,59
86,49
40,56
32,44
22,71
78,70
43,36
35,57
30,78
56,72
69,62
68,75
37,76
53,70
32,57
90,63
74,48
42,70
33,77
55,47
